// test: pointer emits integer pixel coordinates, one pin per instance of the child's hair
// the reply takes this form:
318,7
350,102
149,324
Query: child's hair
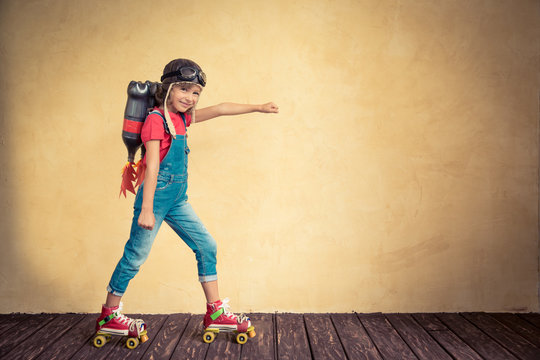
159,96
171,78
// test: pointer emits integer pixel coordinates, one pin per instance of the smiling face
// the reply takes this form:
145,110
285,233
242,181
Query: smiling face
183,97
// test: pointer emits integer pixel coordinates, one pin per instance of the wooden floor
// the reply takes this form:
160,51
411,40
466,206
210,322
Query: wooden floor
285,336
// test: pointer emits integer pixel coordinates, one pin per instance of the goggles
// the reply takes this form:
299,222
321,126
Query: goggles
187,73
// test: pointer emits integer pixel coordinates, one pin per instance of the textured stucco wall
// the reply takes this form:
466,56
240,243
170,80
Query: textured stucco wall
400,175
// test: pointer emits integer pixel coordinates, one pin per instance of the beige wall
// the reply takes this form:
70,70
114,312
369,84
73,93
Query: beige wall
400,175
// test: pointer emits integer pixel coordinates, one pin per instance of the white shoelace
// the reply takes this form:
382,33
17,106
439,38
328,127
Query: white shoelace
226,307
132,323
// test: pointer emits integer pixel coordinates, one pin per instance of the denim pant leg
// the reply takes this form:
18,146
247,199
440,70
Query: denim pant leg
183,220
135,254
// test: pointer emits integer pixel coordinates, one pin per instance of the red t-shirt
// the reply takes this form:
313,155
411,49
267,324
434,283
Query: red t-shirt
153,129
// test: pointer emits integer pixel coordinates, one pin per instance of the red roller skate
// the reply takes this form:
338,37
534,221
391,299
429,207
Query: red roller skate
113,322
219,319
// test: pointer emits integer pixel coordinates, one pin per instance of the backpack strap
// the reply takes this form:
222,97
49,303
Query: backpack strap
165,121
165,126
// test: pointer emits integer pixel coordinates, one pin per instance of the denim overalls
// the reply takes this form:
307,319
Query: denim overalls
170,204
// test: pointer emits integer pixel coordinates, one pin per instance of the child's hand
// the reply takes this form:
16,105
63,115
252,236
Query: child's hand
147,219
269,108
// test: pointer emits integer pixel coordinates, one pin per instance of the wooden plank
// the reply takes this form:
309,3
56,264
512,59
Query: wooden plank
429,321
515,343
336,336
474,337
11,320
191,344
292,341
77,337
154,324
167,338
262,346
32,347
445,337
454,345
420,342
533,318
520,326
385,337
355,340
23,330
4,317
323,338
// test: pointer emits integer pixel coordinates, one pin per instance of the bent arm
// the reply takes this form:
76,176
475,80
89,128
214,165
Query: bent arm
233,109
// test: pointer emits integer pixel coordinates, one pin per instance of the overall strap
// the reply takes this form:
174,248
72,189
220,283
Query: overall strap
184,120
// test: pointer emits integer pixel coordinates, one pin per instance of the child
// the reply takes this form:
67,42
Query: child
162,197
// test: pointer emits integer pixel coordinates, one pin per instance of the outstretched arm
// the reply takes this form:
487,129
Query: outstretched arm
233,109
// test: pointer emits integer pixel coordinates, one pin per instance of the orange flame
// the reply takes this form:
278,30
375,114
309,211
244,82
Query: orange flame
128,176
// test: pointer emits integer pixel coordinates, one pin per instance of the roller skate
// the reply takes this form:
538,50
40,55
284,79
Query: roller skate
113,322
219,319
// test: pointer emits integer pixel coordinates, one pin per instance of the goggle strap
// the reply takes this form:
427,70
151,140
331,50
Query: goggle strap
179,72
197,74
169,74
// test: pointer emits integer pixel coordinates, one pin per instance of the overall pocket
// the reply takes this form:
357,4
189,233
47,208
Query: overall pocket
163,182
